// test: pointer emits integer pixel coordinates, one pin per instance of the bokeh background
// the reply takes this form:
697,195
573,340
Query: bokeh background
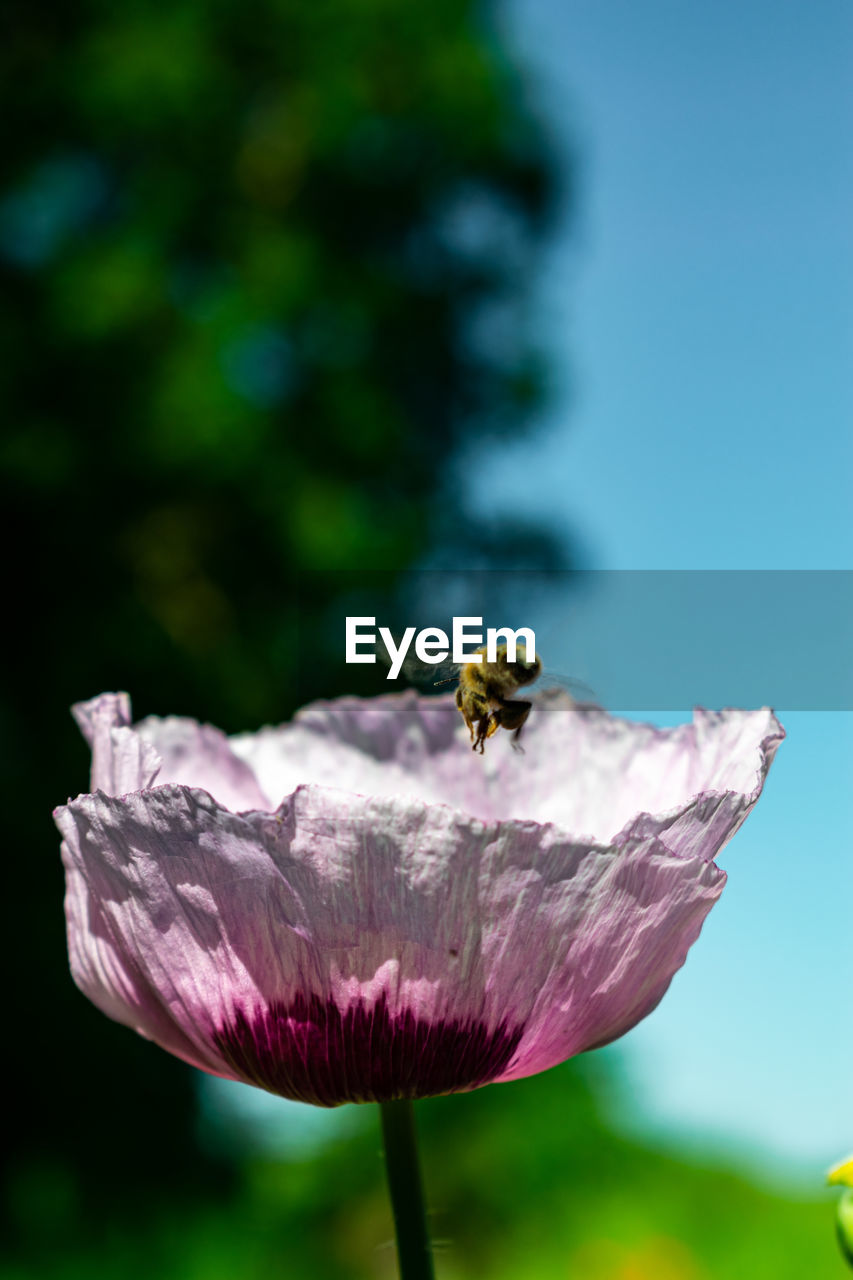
292,291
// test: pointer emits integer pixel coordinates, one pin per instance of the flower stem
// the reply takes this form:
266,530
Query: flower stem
404,1184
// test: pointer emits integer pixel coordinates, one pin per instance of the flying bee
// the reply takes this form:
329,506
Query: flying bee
485,690
484,694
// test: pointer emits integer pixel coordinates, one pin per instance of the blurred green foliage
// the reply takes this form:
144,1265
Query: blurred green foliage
524,1182
263,269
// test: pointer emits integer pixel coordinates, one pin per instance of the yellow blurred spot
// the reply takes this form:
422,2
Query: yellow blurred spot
656,1258
841,1175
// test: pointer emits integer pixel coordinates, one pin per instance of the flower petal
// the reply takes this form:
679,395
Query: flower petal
199,755
121,761
350,948
174,749
592,772
397,745
608,942
583,769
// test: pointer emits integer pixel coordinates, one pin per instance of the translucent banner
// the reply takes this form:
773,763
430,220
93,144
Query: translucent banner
636,640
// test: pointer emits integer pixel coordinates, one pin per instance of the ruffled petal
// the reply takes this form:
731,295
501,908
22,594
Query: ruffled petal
310,950
199,755
104,968
592,773
417,920
581,768
121,761
605,943
397,745
129,758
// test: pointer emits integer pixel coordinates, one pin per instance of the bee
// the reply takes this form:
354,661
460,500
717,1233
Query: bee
485,695
485,690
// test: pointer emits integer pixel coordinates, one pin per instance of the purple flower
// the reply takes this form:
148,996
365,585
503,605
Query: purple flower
354,907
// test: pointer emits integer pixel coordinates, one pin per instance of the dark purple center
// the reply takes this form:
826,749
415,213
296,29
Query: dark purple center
310,1051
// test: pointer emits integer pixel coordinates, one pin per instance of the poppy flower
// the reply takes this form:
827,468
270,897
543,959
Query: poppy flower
354,907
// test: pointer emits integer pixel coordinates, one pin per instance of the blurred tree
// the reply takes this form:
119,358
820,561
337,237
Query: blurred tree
263,272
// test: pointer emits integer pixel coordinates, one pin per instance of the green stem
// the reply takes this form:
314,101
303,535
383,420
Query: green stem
404,1183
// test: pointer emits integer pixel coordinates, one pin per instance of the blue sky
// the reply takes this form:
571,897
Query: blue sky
699,308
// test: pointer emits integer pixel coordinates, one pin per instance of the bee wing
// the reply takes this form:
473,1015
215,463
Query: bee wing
551,682
427,673
417,672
